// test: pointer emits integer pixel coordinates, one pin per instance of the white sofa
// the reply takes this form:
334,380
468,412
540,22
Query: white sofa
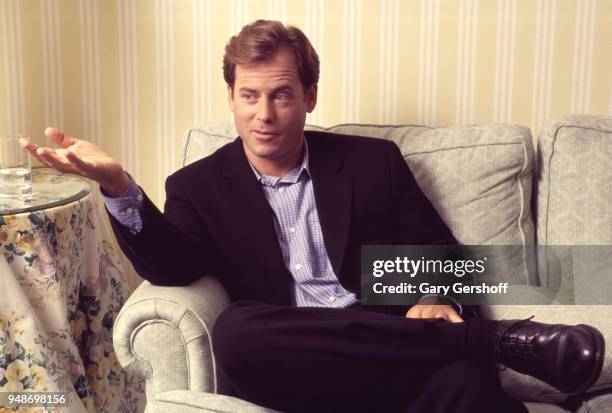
490,189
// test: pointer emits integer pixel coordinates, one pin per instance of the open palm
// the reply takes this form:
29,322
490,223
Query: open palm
79,157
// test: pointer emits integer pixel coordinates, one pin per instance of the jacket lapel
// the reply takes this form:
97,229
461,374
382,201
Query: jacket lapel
333,195
250,210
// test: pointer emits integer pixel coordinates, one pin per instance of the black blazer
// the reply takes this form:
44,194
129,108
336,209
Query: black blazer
217,219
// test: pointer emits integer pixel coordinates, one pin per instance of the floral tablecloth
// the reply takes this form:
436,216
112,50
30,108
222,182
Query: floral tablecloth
62,283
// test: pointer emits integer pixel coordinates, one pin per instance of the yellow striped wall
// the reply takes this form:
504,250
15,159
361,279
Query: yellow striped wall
133,75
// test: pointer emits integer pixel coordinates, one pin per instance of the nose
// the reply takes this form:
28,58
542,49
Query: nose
265,110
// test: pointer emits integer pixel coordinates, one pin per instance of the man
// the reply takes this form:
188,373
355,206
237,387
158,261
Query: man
279,215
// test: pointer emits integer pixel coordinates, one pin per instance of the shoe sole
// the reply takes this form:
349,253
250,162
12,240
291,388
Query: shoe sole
599,360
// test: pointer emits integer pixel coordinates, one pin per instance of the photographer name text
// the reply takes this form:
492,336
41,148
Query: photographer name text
426,288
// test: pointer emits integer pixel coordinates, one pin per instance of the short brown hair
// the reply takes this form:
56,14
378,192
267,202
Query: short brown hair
260,40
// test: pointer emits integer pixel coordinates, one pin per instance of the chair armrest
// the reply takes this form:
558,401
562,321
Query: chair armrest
164,334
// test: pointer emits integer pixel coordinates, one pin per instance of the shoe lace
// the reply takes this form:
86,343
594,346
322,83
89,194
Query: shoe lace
498,343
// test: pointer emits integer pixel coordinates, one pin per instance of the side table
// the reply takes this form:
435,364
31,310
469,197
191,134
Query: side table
62,284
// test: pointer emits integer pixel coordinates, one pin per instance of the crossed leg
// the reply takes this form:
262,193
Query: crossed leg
305,359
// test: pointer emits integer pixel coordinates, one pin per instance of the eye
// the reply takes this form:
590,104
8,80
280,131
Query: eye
282,97
247,95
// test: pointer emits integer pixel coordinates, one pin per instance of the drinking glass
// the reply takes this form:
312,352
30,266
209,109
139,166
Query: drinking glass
15,169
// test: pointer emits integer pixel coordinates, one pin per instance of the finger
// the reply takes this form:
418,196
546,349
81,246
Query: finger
78,163
43,161
414,312
76,160
432,311
28,145
55,161
32,149
443,315
450,315
425,313
455,318
59,138
436,314
39,155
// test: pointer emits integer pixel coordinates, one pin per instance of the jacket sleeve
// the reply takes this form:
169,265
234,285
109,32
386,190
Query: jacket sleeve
173,248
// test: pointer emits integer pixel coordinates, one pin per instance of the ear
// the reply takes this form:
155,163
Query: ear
311,98
230,97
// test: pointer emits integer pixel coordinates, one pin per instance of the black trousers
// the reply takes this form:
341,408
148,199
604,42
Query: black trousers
306,359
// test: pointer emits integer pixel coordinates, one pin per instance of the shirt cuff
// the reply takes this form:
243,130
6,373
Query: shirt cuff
453,302
126,208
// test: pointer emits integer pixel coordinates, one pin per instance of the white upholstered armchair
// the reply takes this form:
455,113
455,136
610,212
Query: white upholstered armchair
163,333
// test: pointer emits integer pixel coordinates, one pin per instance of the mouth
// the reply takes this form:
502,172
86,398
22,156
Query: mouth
264,134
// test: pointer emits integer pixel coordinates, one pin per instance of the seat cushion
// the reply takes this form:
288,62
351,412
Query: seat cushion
597,404
544,408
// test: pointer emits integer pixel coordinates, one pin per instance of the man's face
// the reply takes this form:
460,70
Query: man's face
270,106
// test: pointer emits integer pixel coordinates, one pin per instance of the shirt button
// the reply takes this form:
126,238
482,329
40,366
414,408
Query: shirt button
292,230
331,298
298,266
281,189
139,198
129,210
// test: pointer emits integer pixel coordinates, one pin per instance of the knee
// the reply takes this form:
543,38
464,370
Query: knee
233,336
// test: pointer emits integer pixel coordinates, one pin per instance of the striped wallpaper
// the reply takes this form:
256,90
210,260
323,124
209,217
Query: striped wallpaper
133,75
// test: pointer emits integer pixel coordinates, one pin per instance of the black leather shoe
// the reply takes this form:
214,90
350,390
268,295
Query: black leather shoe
569,358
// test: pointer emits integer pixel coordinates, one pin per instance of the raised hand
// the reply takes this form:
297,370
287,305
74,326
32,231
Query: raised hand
80,157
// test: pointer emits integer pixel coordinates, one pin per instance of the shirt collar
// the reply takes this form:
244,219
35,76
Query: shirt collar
292,176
